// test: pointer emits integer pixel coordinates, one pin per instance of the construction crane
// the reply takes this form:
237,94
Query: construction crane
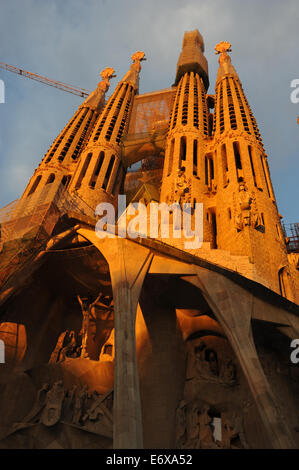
46,81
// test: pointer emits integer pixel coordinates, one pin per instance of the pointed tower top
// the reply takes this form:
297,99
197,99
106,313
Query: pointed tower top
225,65
132,76
97,98
192,57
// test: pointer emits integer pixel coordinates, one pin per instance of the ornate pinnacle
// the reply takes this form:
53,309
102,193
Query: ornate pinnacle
223,47
226,67
107,73
138,56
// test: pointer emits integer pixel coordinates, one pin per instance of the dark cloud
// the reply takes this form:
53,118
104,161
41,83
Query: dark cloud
72,40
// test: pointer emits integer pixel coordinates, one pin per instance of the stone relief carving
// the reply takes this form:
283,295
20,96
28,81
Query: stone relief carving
195,428
73,345
243,216
79,407
247,213
182,188
68,346
206,367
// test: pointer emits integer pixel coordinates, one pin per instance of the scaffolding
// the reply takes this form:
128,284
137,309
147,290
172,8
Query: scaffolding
27,224
291,232
150,113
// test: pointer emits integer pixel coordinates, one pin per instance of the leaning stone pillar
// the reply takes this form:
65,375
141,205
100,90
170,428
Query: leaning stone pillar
232,306
128,263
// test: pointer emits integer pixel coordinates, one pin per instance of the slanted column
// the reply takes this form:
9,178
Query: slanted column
233,306
128,264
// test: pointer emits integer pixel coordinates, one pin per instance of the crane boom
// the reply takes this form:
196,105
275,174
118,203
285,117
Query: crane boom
46,81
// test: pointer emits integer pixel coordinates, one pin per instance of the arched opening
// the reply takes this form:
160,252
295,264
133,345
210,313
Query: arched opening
83,171
238,161
224,165
195,158
209,170
170,158
183,149
97,170
51,178
108,172
284,283
66,180
35,185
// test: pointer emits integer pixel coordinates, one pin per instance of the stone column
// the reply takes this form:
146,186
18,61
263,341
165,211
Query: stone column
128,263
233,306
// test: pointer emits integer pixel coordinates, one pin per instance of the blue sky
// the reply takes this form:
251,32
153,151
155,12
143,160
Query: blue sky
72,40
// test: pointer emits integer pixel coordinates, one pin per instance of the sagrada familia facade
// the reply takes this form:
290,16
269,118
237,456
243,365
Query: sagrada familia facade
139,342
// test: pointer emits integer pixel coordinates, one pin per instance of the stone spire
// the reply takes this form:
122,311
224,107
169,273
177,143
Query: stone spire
132,76
247,219
225,65
60,161
96,99
100,171
192,57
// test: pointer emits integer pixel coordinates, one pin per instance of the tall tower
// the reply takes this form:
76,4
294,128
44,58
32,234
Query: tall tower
247,221
100,171
189,130
60,161
189,121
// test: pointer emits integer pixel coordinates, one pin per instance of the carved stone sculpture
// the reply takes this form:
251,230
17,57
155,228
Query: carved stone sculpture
206,439
181,188
52,412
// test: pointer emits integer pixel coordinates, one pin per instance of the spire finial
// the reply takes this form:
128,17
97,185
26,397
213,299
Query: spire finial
132,76
226,67
96,99
138,56
223,47
107,73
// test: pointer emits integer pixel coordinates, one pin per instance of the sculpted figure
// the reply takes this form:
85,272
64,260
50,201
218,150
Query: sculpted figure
85,325
68,405
206,440
52,411
181,187
71,349
245,201
229,373
79,403
206,363
55,356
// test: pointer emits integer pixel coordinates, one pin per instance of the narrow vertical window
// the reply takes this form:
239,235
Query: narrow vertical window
118,178
252,166
224,164
206,171
284,283
209,170
97,170
182,153
65,180
267,179
35,185
51,178
195,162
108,172
237,155
170,160
83,170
